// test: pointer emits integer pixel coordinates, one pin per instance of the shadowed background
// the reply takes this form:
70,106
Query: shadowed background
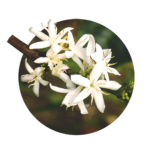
47,108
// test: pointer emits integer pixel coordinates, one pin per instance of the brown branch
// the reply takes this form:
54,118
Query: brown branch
23,48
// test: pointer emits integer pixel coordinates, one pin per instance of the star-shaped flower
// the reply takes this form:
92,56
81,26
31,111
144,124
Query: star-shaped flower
71,95
52,58
51,38
92,86
76,50
104,56
34,76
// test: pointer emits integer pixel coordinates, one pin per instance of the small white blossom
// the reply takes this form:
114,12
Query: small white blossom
104,56
34,76
92,86
52,58
52,37
71,95
76,50
59,71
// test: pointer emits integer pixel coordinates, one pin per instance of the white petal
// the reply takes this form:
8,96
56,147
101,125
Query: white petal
63,68
51,28
64,77
108,56
80,80
28,67
83,40
49,52
106,74
79,51
101,81
70,38
102,77
98,97
71,96
99,51
70,85
112,85
56,48
63,32
39,45
78,61
96,71
36,87
59,90
84,94
25,78
39,71
95,57
90,46
42,60
113,70
106,52
82,108
61,56
39,34
69,54
43,82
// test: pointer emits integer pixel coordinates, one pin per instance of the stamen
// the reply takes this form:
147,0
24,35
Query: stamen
26,75
42,25
111,64
66,107
91,97
31,80
93,81
108,59
61,105
31,85
101,91
88,89
45,29
73,107
104,93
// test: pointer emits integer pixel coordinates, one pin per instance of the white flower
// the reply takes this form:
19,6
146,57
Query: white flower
58,71
51,39
35,75
77,50
88,63
52,58
93,85
104,56
71,95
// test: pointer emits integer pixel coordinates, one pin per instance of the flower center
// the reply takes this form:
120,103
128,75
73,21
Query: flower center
35,77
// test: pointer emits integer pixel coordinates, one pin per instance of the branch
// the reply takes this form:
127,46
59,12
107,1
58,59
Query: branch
124,93
23,48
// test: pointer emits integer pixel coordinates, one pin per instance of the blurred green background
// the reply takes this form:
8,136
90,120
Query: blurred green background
47,108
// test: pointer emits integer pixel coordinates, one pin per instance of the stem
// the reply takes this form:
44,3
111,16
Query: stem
23,48
124,93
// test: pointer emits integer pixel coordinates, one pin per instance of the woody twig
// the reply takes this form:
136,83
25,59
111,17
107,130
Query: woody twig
21,47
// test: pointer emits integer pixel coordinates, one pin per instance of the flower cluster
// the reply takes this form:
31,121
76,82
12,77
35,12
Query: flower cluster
92,60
